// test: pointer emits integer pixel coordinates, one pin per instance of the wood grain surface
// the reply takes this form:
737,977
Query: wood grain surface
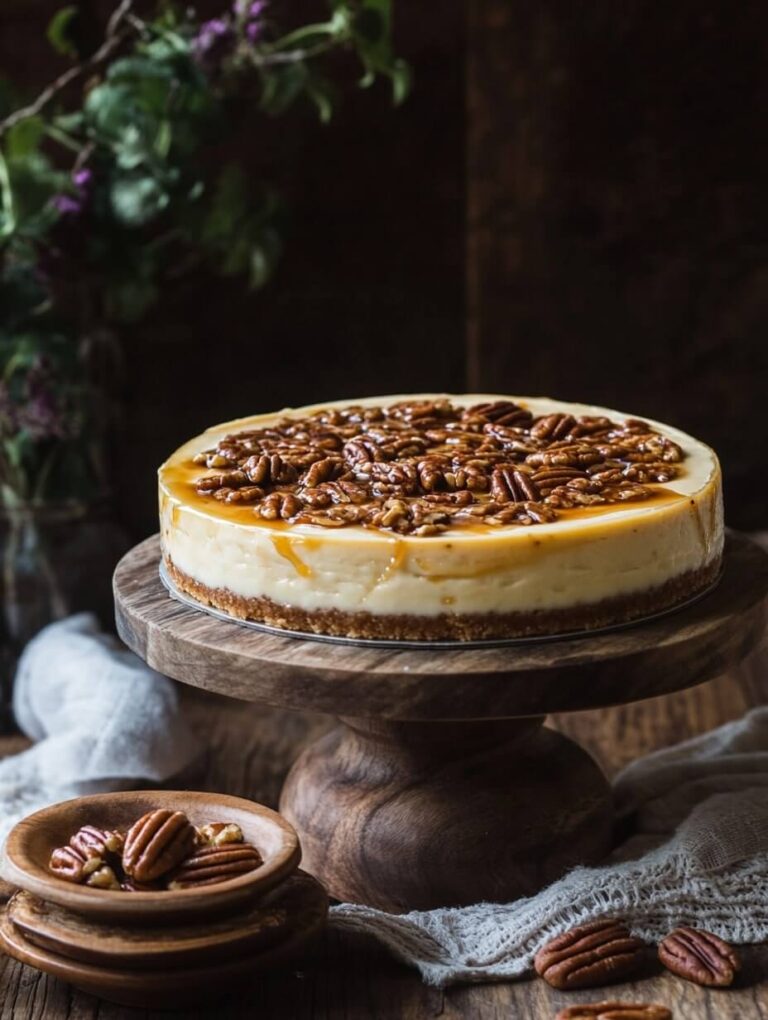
689,646
247,750
413,816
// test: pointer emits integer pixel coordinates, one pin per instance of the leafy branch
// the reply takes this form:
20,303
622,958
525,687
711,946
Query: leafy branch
115,36
108,192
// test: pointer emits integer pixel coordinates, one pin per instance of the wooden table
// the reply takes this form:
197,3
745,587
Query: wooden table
249,749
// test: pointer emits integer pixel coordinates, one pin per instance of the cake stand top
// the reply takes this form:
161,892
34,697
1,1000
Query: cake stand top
696,643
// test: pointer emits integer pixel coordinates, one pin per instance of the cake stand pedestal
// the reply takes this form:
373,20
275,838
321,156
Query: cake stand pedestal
440,785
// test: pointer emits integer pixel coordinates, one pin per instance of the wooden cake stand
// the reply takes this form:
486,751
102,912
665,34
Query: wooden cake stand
440,785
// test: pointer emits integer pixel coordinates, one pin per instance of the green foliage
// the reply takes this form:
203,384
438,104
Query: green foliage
372,28
101,200
59,32
239,234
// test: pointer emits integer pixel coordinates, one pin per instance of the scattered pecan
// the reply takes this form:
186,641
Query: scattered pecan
598,953
615,1011
156,843
210,864
700,957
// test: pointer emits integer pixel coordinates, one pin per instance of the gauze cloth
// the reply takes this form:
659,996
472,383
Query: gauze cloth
696,853
102,720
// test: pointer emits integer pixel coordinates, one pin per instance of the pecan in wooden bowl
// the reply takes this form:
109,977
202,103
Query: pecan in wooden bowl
135,856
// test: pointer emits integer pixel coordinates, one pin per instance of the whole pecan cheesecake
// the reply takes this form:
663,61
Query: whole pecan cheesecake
442,517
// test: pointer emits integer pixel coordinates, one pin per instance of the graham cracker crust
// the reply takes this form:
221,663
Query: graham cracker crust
446,626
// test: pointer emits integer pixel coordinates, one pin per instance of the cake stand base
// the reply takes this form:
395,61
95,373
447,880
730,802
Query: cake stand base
409,816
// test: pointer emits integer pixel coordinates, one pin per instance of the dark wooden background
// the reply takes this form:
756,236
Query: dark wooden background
572,202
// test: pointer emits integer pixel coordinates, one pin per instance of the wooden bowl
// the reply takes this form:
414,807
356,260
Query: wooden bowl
29,845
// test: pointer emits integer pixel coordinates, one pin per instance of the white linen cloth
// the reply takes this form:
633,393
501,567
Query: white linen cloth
697,853
102,719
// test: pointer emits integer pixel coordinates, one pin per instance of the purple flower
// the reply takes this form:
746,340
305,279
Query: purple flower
254,30
82,179
67,205
41,415
213,43
255,24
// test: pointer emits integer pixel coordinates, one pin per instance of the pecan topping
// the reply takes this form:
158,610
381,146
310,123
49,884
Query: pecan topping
615,1011
508,485
599,953
279,505
552,426
156,843
504,463
210,864
700,957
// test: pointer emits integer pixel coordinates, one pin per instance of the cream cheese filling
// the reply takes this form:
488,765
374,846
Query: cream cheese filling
585,557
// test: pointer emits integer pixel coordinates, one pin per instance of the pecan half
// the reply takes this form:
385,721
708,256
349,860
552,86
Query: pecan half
599,953
552,426
279,505
509,485
68,863
700,957
210,864
615,1011
92,842
156,843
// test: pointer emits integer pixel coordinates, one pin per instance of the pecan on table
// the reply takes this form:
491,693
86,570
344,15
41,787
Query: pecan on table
598,953
615,1011
156,843
700,957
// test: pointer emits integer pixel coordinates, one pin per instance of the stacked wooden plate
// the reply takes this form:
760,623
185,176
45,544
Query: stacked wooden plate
160,949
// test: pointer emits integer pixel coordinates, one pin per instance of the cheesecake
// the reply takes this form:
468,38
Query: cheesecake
442,517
